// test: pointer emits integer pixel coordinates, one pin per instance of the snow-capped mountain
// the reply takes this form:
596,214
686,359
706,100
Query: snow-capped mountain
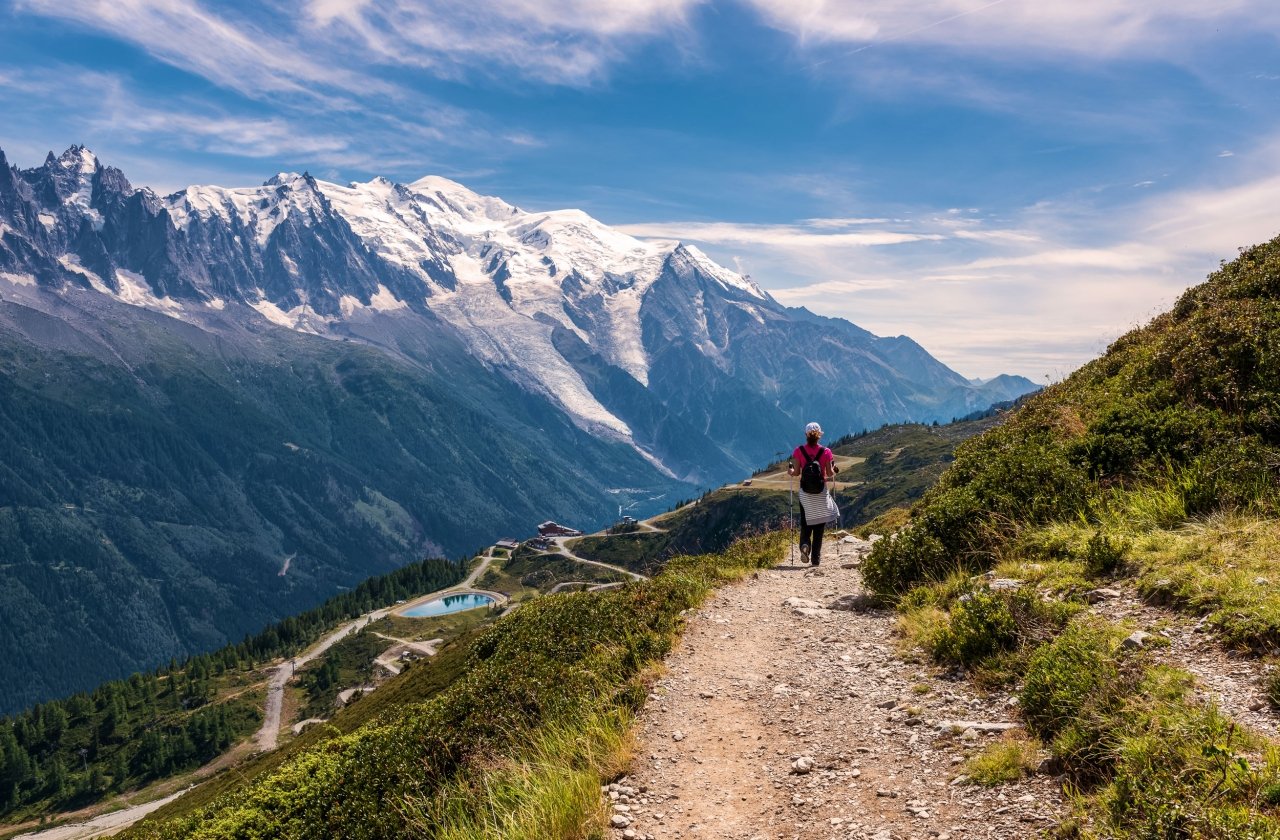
196,387
650,343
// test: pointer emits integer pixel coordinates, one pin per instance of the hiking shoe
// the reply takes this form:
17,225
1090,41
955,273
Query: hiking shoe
804,553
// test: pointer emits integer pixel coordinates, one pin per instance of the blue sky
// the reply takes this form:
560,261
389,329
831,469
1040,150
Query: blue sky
1011,183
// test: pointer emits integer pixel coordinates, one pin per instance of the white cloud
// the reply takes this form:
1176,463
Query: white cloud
1090,27
1039,296
789,236
183,33
558,41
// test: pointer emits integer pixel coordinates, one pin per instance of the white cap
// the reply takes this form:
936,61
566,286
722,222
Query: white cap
813,427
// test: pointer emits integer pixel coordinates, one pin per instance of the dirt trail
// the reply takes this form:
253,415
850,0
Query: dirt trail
268,734
761,681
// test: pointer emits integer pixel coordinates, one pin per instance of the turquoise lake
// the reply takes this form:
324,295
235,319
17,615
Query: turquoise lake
449,604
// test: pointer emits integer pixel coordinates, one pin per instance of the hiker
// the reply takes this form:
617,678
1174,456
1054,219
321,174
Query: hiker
815,465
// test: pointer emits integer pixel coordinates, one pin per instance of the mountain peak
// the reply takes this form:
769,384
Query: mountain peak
456,198
76,158
692,256
284,179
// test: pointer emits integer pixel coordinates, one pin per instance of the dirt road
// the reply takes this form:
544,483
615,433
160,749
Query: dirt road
103,826
561,543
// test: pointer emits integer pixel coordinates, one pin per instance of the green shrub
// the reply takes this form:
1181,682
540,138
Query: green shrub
998,481
1271,688
1007,760
981,625
1075,670
1103,555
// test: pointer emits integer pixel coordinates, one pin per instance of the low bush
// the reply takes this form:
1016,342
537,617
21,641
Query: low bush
980,626
1103,555
1078,668
1007,760
1271,688
982,629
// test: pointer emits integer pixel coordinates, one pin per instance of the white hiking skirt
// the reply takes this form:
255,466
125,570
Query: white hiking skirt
819,508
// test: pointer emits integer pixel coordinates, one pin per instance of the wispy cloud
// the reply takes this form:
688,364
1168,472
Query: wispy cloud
1087,27
1037,296
235,54
788,236
570,42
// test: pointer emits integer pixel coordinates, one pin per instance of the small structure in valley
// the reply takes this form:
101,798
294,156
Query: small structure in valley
554,529
507,543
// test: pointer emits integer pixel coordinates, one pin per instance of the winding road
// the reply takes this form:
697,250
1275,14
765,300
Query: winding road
561,544
104,825
269,733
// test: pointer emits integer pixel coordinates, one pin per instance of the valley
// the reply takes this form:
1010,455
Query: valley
415,638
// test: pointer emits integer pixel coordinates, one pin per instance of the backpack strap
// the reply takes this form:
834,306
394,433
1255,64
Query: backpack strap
808,459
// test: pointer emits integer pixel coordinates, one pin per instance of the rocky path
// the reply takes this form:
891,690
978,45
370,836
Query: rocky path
778,719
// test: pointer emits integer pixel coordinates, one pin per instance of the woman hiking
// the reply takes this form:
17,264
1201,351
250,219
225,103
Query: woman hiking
815,465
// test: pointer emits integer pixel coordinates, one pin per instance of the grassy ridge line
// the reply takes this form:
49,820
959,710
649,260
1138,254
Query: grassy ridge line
515,747
1156,463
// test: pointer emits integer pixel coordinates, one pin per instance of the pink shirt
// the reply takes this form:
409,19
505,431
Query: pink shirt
801,459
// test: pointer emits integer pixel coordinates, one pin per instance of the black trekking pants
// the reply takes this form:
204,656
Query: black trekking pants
811,535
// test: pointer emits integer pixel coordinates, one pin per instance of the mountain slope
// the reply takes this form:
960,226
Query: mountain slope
1186,404
154,482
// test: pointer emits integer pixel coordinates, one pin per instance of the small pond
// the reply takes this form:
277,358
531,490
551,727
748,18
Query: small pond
449,604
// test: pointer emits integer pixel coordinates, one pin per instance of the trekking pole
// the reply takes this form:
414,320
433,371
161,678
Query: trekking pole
791,496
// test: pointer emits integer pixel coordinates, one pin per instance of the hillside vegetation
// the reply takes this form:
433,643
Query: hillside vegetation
1154,466
74,751
514,747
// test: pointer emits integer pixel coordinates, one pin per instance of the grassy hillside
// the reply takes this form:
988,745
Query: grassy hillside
1155,467
899,463
514,746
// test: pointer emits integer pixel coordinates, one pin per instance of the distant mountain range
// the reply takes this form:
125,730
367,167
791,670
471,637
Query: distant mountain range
198,386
